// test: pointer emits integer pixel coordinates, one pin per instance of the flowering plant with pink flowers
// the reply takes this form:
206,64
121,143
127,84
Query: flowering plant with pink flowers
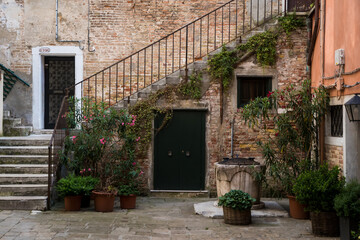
104,143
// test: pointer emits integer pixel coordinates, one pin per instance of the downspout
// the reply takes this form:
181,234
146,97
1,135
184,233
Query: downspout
322,121
57,29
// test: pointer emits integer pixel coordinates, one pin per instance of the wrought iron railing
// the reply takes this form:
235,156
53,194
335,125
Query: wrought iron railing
167,55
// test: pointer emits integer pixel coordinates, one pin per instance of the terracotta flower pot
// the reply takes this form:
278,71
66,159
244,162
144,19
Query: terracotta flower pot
297,209
128,202
104,202
85,201
72,203
237,217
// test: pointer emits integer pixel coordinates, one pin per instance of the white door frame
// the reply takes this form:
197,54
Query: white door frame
38,77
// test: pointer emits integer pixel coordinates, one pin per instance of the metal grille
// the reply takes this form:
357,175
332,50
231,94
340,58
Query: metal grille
336,120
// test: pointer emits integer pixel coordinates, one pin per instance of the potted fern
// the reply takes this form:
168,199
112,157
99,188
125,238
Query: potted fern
71,189
237,207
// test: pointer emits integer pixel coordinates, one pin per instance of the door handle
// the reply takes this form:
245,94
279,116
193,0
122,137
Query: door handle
169,153
187,153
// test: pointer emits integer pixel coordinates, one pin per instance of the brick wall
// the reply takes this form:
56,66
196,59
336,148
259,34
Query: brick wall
334,155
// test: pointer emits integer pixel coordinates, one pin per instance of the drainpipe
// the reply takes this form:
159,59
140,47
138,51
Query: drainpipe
57,29
232,138
93,48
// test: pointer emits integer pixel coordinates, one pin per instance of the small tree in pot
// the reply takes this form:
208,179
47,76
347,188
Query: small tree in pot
347,206
317,190
237,207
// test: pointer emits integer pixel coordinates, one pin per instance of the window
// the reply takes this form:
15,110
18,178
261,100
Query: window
249,88
336,113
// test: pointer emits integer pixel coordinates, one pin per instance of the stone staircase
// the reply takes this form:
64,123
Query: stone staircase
24,172
13,126
198,66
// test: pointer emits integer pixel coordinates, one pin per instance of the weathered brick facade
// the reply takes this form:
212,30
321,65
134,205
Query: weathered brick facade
334,155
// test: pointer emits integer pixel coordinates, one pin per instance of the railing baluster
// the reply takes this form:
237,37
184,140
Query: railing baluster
117,79
144,67
173,52
102,94
152,62
243,16
215,33
89,87
208,37
180,51
130,74
138,59
250,14
257,14
236,18
194,41
186,52
278,7
264,10
271,9
124,78
159,62
96,88
200,37
229,21
222,26
109,86
166,40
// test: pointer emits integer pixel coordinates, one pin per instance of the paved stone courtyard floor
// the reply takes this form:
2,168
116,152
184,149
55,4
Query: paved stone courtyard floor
154,218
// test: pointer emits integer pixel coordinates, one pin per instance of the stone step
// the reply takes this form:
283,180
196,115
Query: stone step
23,150
31,140
43,131
23,178
23,159
23,203
18,131
24,168
179,194
23,190
11,122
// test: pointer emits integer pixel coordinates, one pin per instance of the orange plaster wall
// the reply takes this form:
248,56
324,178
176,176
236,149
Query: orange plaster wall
342,30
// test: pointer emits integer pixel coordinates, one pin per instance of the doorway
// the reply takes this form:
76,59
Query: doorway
179,152
59,74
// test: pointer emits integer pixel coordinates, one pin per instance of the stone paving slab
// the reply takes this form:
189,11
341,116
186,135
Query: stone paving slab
154,218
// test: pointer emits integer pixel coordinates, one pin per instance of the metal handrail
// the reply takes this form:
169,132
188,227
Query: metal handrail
143,67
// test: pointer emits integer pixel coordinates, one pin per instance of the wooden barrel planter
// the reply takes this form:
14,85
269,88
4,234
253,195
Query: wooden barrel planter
325,224
237,217
238,174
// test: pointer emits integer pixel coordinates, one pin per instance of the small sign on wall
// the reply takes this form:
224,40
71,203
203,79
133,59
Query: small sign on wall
44,50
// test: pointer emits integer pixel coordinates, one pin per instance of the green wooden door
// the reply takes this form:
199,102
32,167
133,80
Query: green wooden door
179,162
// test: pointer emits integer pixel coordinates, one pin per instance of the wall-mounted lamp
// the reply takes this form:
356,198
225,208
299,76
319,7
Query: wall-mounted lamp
353,108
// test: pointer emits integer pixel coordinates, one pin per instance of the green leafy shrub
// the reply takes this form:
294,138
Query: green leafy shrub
317,189
264,46
237,199
221,66
347,203
126,190
76,185
193,87
290,23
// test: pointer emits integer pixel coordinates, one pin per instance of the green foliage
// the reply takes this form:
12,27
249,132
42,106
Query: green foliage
264,46
287,150
317,189
192,88
126,190
347,203
356,235
236,199
221,66
76,185
290,22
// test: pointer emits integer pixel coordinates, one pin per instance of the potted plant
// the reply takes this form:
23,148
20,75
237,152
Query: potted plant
237,207
290,119
347,206
71,189
128,195
89,183
317,190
